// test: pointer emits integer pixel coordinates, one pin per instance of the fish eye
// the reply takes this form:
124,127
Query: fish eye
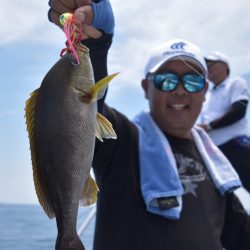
74,61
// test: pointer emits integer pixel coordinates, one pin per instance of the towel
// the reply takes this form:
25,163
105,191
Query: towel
161,187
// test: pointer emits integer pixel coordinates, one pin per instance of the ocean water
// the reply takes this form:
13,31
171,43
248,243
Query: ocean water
27,227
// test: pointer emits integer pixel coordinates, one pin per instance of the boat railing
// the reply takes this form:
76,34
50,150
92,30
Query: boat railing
87,221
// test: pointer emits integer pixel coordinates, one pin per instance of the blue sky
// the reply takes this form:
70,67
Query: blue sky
30,45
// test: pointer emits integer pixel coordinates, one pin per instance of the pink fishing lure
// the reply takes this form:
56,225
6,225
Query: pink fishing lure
72,29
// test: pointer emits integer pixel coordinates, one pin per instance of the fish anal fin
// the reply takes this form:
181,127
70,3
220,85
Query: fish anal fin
104,128
42,195
89,194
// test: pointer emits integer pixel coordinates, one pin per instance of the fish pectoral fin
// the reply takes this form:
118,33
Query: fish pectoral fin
40,187
97,90
104,128
89,194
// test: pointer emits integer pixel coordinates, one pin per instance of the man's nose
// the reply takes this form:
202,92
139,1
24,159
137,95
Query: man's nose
180,90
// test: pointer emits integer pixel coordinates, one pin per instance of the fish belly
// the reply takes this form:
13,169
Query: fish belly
65,136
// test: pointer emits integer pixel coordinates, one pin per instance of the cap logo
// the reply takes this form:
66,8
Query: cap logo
178,49
179,45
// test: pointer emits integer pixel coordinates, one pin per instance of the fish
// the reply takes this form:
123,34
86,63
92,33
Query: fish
63,123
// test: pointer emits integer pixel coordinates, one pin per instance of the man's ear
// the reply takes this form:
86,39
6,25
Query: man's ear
206,87
145,84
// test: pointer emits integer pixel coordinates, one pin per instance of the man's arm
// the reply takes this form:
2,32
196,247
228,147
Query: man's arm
98,55
235,113
236,230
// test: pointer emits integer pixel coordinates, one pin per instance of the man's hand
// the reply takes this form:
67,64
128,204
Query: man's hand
95,17
58,7
206,127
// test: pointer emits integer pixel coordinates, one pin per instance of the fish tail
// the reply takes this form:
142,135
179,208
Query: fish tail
72,242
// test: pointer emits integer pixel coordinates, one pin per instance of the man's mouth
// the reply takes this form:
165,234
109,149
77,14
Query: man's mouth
178,107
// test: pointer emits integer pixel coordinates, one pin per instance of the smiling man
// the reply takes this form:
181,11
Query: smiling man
163,183
175,86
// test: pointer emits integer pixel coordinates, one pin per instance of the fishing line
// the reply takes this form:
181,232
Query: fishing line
196,71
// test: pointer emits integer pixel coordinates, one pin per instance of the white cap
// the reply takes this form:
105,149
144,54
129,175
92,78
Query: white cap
176,49
217,56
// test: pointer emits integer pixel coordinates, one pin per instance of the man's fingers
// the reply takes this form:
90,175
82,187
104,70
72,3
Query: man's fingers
84,13
82,10
90,31
63,6
69,4
58,7
80,3
54,17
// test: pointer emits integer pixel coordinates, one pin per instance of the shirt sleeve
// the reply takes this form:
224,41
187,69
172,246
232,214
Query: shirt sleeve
98,51
112,150
239,90
236,112
239,97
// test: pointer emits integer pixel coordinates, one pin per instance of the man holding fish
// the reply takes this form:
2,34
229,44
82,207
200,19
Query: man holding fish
162,183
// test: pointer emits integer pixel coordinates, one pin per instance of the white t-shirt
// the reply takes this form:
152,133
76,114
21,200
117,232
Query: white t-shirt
218,102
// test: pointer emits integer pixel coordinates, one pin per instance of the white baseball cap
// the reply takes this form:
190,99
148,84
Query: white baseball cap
176,49
217,56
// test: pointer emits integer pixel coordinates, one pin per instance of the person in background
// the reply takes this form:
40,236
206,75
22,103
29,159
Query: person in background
160,184
224,113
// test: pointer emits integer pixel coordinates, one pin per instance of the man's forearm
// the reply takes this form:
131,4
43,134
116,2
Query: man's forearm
237,112
98,55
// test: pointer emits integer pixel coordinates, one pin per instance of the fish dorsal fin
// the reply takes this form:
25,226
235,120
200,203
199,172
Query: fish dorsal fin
40,188
104,128
89,194
97,91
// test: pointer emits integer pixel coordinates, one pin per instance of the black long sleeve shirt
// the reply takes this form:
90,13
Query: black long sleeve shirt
208,220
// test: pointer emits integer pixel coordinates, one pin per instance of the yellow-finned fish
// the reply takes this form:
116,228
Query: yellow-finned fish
62,123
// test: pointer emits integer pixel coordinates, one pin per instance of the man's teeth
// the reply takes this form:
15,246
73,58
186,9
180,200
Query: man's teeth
178,106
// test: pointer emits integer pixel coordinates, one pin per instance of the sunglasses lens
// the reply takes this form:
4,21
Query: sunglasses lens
166,82
193,82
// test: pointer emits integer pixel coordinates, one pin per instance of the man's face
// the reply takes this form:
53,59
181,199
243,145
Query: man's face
175,112
217,72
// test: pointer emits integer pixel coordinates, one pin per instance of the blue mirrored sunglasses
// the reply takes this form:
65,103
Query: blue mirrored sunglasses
192,83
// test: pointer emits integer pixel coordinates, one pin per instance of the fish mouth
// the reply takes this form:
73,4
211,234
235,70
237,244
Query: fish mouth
178,107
